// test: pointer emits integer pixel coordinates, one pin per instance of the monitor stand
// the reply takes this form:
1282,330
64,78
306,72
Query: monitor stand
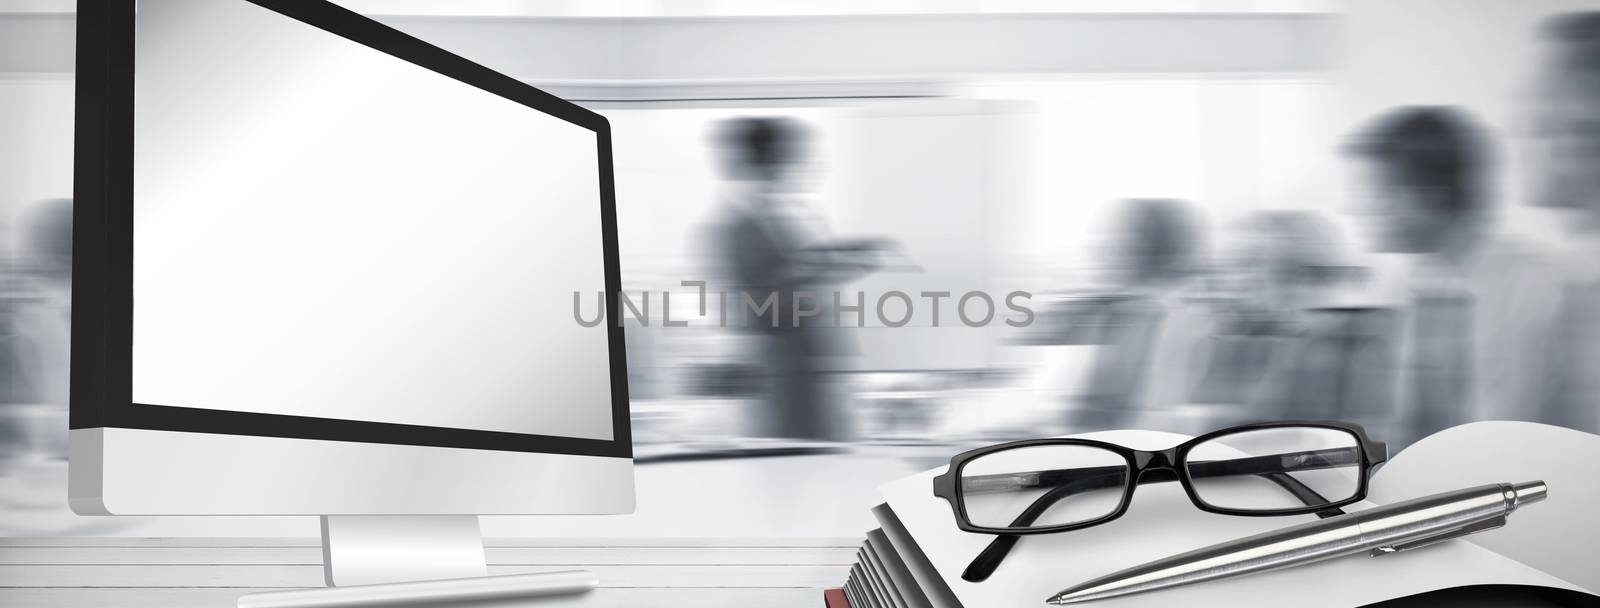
405,560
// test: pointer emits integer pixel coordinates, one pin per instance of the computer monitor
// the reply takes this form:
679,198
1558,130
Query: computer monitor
325,268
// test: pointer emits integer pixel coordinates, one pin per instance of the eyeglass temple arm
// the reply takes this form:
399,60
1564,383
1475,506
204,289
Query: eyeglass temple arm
986,562
1276,468
1271,467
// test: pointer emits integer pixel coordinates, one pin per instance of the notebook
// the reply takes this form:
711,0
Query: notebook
1548,544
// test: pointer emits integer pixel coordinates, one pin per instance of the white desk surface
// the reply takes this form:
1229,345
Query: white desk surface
214,572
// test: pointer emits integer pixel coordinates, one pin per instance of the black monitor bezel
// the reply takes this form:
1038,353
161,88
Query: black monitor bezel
102,266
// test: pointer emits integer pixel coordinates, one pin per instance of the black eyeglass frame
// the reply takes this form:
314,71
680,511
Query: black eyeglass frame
1145,466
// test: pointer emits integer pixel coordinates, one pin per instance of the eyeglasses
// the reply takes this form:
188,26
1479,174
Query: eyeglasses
1270,468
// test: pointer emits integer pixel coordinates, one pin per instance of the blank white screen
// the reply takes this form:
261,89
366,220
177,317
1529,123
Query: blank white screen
321,229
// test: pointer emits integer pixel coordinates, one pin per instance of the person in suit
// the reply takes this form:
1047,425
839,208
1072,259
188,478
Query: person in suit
1566,138
1142,329
35,327
1476,305
1283,344
39,305
774,247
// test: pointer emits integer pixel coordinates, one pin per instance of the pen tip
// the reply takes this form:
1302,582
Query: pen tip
1528,491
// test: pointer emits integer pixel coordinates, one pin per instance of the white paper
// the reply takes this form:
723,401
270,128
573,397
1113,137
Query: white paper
1557,535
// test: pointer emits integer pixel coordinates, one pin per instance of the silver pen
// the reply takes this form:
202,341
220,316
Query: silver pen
1376,531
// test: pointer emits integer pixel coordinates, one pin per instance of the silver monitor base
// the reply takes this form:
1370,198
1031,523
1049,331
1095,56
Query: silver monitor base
398,560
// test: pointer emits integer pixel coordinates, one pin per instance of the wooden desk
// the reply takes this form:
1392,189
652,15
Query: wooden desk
214,572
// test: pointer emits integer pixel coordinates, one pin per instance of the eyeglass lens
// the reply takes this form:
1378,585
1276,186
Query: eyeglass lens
1041,486
1276,468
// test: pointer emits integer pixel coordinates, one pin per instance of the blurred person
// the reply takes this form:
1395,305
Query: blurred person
36,297
1290,259
1566,119
1566,111
1258,295
772,243
1142,329
1284,345
39,304
1475,304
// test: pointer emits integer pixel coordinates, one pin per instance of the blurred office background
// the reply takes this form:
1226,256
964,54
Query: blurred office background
1231,210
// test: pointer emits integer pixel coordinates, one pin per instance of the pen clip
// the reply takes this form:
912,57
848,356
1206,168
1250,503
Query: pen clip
1488,524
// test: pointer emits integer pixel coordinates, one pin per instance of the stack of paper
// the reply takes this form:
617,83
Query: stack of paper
892,572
